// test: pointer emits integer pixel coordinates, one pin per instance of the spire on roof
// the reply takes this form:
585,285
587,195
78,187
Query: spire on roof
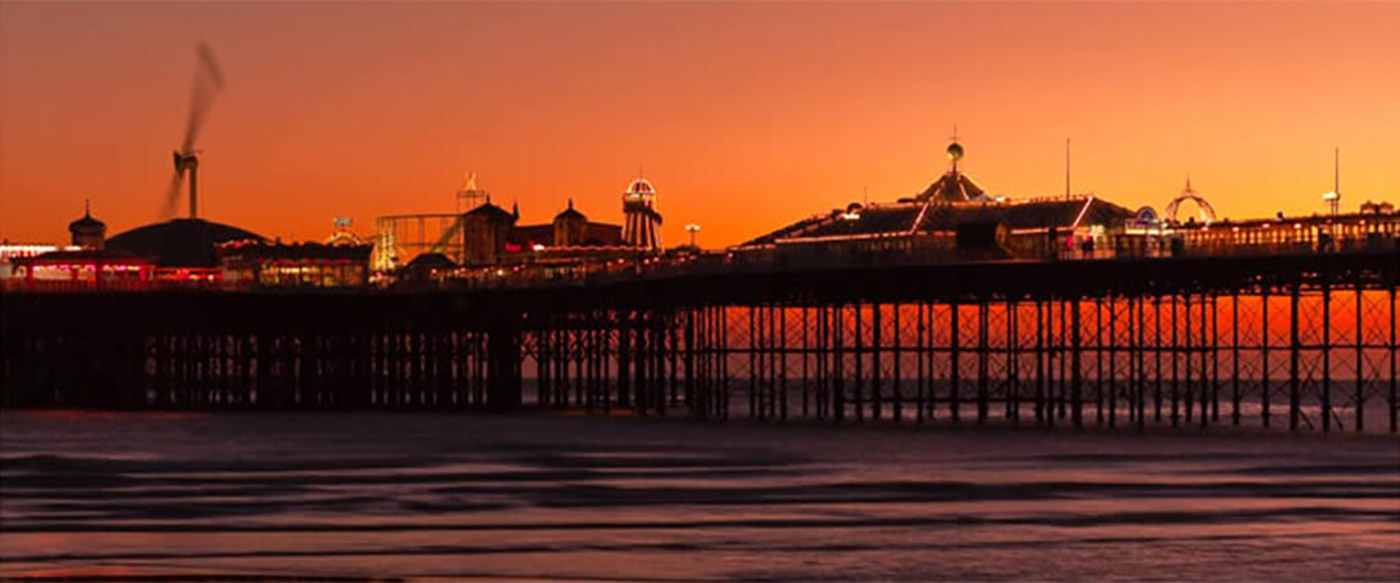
955,150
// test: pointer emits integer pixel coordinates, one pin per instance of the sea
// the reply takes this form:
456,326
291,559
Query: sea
461,497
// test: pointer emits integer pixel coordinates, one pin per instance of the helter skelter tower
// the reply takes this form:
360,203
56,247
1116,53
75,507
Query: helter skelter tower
643,224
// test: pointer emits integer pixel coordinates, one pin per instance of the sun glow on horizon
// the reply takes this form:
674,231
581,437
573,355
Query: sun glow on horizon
747,116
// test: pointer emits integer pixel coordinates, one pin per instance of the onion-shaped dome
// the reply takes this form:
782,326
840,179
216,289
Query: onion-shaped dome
87,226
955,151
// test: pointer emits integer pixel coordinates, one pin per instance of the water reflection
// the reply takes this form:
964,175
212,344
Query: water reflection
451,497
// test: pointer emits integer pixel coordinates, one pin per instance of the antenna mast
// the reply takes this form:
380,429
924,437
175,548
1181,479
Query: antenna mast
1066,168
1336,180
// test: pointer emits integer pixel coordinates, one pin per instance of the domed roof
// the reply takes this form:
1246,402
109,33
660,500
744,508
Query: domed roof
570,213
640,186
955,151
180,243
87,224
1203,208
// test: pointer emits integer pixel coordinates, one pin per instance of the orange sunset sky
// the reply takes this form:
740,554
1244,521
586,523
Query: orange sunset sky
746,116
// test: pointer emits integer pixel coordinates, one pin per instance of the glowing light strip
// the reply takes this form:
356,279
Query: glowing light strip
1087,202
919,220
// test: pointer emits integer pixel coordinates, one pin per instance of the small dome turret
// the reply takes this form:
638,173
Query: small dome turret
87,232
640,187
955,151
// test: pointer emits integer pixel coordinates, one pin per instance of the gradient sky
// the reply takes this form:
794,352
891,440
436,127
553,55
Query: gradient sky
746,116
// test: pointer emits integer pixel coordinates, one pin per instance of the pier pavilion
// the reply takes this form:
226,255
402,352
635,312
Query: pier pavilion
955,218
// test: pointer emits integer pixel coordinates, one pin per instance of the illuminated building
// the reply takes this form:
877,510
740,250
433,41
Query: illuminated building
954,219
569,229
182,249
643,223
488,235
495,248
1373,229
276,264
86,265
493,238
84,269
12,252
87,232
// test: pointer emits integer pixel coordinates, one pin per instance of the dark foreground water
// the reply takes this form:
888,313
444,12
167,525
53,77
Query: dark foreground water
453,497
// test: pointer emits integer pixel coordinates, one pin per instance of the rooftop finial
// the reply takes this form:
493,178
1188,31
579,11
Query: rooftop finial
87,207
1067,191
1334,198
955,149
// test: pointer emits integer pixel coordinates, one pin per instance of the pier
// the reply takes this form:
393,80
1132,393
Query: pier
1303,342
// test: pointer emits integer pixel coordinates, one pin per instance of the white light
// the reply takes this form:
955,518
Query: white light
538,247
1329,196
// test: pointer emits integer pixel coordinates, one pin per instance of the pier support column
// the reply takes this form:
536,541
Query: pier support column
503,365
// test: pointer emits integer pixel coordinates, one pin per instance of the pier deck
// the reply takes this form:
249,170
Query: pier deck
1304,341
